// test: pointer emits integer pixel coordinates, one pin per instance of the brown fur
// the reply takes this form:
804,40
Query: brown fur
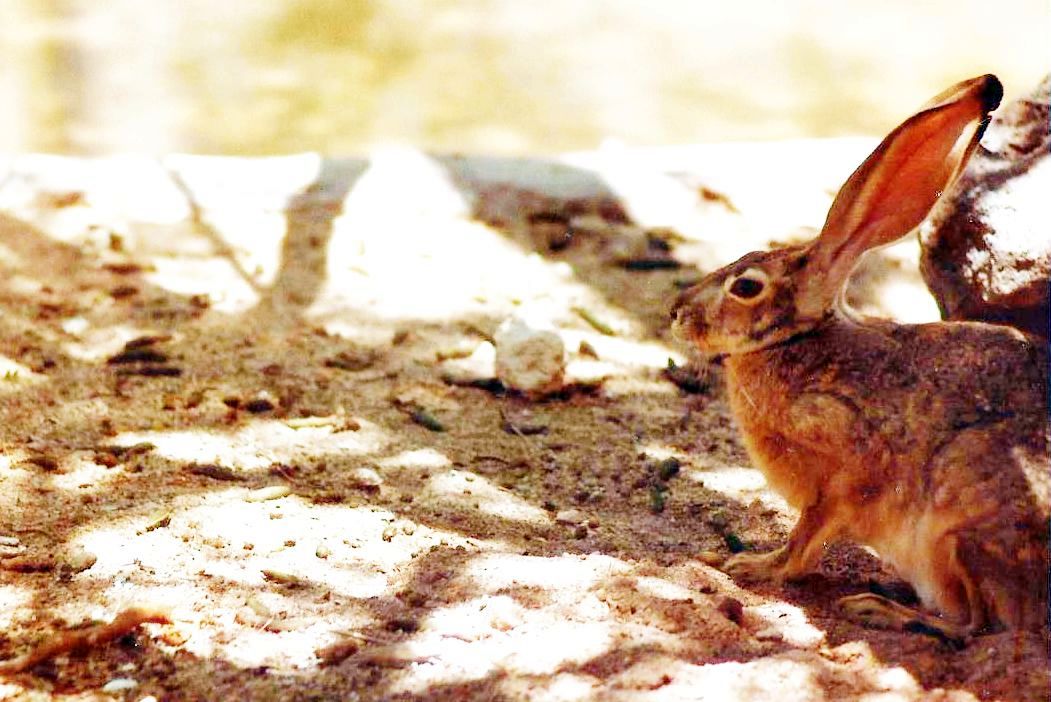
941,467
927,442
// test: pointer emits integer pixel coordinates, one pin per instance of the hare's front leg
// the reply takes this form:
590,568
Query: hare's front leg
796,558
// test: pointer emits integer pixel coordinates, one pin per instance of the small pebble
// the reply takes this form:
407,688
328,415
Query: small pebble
712,558
78,561
587,350
365,479
338,652
730,607
258,607
668,468
259,404
120,685
282,578
426,420
271,492
570,516
158,520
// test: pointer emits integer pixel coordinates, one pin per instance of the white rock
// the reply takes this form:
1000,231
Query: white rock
120,685
365,478
478,366
572,517
528,358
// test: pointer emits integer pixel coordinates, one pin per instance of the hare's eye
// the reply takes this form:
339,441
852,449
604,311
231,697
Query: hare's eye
748,287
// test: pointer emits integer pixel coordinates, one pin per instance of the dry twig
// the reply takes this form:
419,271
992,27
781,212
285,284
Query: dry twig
84,639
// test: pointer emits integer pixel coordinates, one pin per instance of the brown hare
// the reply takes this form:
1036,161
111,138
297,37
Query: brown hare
928,443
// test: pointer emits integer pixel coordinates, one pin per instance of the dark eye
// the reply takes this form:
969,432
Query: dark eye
746,288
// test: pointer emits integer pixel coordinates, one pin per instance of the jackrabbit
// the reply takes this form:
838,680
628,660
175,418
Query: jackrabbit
927,442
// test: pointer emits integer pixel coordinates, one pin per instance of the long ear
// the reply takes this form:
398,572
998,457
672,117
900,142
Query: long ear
896,187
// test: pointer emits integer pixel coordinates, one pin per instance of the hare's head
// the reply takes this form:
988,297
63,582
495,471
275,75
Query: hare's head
766,298
747,305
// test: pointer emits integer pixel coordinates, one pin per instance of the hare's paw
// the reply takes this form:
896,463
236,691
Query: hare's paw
758,567
877,612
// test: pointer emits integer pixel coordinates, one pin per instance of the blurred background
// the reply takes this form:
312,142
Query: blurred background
487,76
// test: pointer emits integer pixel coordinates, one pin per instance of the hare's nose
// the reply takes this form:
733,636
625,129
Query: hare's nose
687,312
693,298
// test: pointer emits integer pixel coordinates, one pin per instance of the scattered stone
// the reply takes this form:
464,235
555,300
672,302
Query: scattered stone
668,468
322,551
262,402
402,625
711,558
118,685
365,479
43,461
522,425
28,564
987,245
529,359
477,368
338,652
425,419
353,360
730,607
158,520
211,470
281,577
258,607
587,350
718,520
271,492
769,635
137,354
337,422
152,371
76,561
570,517
10,547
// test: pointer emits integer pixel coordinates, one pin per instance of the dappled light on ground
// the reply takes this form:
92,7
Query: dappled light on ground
242,392
257,445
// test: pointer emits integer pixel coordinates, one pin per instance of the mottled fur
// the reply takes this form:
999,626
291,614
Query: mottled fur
929,442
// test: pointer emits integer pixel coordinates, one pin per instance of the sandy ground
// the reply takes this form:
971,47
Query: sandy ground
252,397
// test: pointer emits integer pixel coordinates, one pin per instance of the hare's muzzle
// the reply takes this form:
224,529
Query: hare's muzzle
689,322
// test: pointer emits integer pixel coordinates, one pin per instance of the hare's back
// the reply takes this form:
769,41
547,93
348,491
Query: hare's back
947,375
972,364
909,388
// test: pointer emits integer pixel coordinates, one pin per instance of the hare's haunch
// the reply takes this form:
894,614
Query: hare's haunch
929,442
